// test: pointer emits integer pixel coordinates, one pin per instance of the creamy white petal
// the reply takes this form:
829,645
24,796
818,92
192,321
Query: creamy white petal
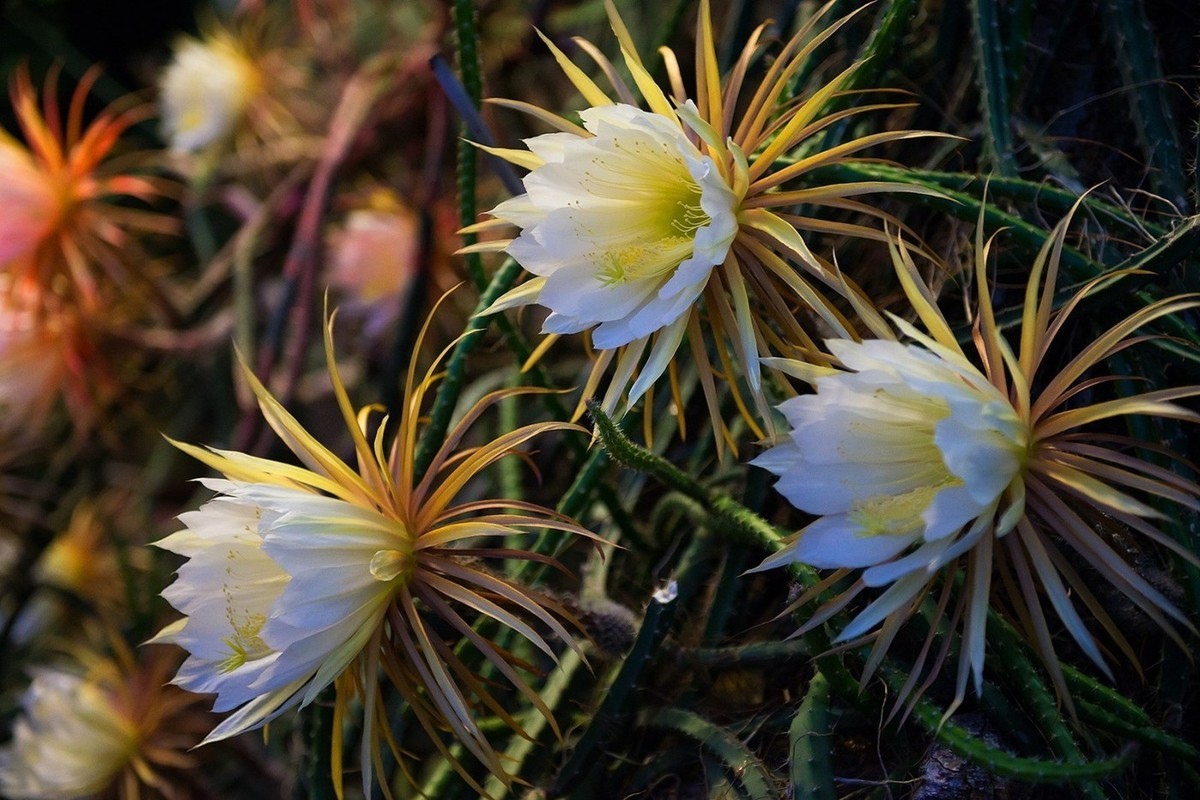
837,488
898,594
905,456
204,92
976,450
949,509
919,559
519,210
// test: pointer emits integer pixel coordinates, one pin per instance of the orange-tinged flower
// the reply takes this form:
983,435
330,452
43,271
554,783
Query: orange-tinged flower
64,229
43,356
374,259
30,202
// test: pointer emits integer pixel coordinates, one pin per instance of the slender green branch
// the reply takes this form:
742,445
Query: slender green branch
810,744
1159,258
318,730
1037,698
740,521
1146,734
1039,193
1136,58
754,777
991,83
998,761
604,723
755,654
466,41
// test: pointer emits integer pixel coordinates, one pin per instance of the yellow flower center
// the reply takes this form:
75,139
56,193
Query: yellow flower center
894,514
673,213
245,644
639,262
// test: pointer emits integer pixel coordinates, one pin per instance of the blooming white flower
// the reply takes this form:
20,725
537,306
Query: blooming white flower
71,739
104,724
904,450
301,577
624,227
650,225
304,581
917,462
205,91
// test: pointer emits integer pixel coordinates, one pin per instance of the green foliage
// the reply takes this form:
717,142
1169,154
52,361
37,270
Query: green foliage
718,682
810,744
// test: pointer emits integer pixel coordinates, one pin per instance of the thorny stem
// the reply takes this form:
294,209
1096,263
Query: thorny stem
732,519
467,45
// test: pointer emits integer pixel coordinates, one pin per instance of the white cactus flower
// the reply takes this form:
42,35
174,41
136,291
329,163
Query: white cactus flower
300,593
906,449
669,215
917,463
299,578
205,91
70,741
624,227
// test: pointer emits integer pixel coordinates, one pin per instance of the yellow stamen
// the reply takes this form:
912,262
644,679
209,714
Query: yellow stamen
638,262
893,514
245,644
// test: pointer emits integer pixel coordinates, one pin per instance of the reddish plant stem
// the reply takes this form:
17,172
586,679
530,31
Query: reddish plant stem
300,266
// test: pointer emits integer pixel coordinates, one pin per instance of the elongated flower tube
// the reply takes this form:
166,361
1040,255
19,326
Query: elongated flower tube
299,578
71,218
664,215
99,726
918,463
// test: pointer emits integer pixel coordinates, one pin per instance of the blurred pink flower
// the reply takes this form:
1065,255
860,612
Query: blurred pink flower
373,261
40,358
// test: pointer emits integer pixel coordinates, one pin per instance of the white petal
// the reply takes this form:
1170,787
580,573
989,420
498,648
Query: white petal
975,453
835,541
919,559
949,510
